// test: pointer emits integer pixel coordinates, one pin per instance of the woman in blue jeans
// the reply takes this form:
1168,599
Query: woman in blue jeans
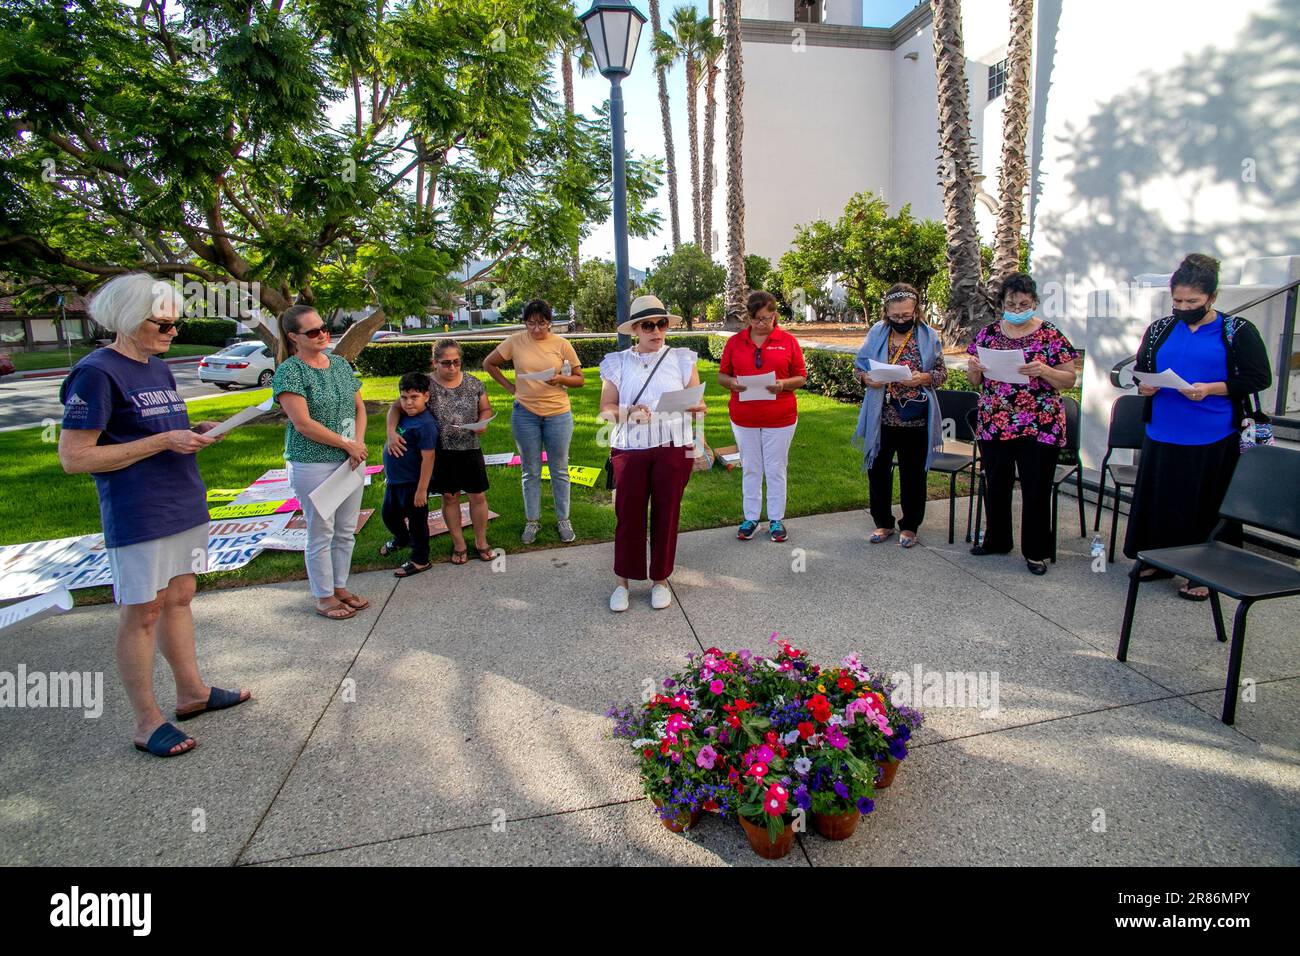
541,419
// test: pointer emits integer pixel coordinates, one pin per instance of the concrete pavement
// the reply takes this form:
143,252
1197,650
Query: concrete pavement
460,720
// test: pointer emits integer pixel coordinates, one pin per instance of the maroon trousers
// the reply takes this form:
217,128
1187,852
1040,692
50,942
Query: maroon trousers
656,477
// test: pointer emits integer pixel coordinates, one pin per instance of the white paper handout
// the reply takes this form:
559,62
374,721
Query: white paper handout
1001,364
756,387
542,376
884,372
680,400
499,458
241,417
479,426
1166,379
33,609
337,488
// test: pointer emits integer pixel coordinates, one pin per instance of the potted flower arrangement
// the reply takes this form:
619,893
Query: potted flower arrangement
900,720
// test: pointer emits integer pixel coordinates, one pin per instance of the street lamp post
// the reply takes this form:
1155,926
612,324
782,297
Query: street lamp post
613,29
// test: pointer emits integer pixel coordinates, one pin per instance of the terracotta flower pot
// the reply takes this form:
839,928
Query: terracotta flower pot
763,845
887,770
836,826
680,823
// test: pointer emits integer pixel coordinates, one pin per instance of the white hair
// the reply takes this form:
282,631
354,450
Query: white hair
123,303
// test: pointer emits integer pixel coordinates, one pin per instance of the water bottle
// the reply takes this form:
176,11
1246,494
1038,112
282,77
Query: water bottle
566,368
1098,548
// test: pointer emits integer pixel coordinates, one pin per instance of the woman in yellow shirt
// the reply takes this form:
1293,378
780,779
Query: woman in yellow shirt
541,418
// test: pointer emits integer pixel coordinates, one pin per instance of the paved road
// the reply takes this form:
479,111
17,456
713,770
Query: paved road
32,401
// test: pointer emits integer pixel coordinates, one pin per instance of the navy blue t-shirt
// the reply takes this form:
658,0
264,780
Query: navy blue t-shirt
421,434
127,400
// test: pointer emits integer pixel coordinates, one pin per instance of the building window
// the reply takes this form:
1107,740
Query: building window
997,80
808,11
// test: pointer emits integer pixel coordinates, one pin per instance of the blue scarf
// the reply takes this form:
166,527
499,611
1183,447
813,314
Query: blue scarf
876,346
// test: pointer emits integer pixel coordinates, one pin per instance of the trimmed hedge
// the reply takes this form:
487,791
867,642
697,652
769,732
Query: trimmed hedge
205,332
398,358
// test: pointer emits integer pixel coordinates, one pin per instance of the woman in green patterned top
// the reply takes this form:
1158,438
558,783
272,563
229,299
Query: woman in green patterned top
320,394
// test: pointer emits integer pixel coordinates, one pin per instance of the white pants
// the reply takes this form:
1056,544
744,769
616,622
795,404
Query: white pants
764,453
329,539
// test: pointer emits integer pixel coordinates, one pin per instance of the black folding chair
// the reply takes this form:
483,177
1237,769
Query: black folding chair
1264,493
956,406
1126,431
1063,473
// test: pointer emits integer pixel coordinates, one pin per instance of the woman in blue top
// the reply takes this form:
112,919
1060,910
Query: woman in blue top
125,423
1192,435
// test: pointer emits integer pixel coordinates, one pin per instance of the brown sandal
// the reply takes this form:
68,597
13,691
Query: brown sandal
328,612
485,554
462,554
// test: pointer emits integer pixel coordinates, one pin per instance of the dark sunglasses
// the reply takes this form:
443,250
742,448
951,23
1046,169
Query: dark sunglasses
313,333
449,363
648,326
165,327
758,358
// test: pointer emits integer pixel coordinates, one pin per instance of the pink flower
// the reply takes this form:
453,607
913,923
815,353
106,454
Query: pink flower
775,800
716,686
707,757
835,737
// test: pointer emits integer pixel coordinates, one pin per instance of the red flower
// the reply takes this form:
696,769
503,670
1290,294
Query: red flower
647,753
820,707
845,683
665,747
806,729
709,806
775,799
733,775
733,720
758,771
770,738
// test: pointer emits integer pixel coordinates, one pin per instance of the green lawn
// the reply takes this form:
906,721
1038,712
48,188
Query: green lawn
41,502
58,358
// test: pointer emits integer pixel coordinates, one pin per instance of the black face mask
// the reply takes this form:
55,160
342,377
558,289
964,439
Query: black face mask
1191,316
902,327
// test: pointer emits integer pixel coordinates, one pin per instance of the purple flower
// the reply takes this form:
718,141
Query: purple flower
897,749
866,805
764,754
842,789
835,737
801,797
706,758
669,683
904,733
745,654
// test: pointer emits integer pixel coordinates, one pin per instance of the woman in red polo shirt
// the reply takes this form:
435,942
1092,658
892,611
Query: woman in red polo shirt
763,420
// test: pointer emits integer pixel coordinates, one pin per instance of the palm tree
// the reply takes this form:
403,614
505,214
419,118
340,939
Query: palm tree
661,75
712,49
683,42
573,44
968,304
1015,129
737,288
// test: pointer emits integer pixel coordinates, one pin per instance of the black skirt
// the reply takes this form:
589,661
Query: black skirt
1179,491
456,470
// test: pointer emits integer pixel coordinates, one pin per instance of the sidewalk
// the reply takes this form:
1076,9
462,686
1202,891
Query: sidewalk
61,372
479,697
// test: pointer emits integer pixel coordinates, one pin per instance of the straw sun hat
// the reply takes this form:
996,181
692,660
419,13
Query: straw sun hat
646,307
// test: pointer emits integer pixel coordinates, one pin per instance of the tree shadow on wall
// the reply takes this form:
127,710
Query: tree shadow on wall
1223,117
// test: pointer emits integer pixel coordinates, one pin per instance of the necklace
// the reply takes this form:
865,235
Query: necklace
645,362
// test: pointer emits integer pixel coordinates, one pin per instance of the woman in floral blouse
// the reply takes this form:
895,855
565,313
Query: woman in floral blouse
1021,427
900,417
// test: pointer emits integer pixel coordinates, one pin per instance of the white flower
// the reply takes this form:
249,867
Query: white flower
643,742
836,719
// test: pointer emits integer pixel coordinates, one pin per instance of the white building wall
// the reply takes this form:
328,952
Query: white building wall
914,130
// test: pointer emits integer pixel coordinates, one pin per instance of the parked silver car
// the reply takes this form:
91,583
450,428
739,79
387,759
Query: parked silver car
247,363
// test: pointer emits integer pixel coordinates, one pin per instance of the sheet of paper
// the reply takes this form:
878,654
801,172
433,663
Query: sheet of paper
501,458
479,426
1166,379
542,376
884,372
265,491
756,387
241,417
33,609
1002,364
336,489
680,400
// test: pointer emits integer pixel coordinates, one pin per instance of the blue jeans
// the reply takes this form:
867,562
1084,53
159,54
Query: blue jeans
532,434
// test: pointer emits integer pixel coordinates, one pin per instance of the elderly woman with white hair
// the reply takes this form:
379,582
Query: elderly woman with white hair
125,424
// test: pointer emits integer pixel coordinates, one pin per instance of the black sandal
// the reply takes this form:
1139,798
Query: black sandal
410,568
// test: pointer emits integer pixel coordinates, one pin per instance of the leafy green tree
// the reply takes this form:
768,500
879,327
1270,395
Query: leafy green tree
596,301
685,279
757,269
530,277
206,142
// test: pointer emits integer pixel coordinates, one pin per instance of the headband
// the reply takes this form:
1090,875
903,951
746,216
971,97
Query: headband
901,294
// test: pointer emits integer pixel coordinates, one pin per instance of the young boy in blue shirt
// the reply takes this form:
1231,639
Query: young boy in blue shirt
406,494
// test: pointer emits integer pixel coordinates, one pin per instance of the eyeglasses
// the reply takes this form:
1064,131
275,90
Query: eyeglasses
648,326
758,358
449,363
536,323
314,333
165,327
910,317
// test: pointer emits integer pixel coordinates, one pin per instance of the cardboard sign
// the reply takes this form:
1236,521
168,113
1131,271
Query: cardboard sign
578,474
249,510
438,526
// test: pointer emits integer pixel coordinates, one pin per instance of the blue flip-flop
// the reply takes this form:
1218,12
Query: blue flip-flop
218,699
162,740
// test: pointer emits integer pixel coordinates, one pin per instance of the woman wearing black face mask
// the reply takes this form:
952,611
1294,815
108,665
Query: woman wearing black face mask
900,417
1192,441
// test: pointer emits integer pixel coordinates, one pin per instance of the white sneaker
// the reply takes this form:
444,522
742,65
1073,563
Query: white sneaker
618,600
660,597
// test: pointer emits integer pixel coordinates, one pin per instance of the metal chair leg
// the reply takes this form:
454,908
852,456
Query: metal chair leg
952,504
1217,608
970,504
1078,485
1114,523
1234,663
1130,606
1101,494
1056,499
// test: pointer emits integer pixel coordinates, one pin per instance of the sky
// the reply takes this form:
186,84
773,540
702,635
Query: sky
644,129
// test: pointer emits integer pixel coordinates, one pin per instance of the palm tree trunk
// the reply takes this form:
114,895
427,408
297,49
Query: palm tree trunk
737,291
693,131
711,71
968,306
1015,130
665,115
566,71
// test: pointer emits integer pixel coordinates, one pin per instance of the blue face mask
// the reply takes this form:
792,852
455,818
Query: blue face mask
1018,318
